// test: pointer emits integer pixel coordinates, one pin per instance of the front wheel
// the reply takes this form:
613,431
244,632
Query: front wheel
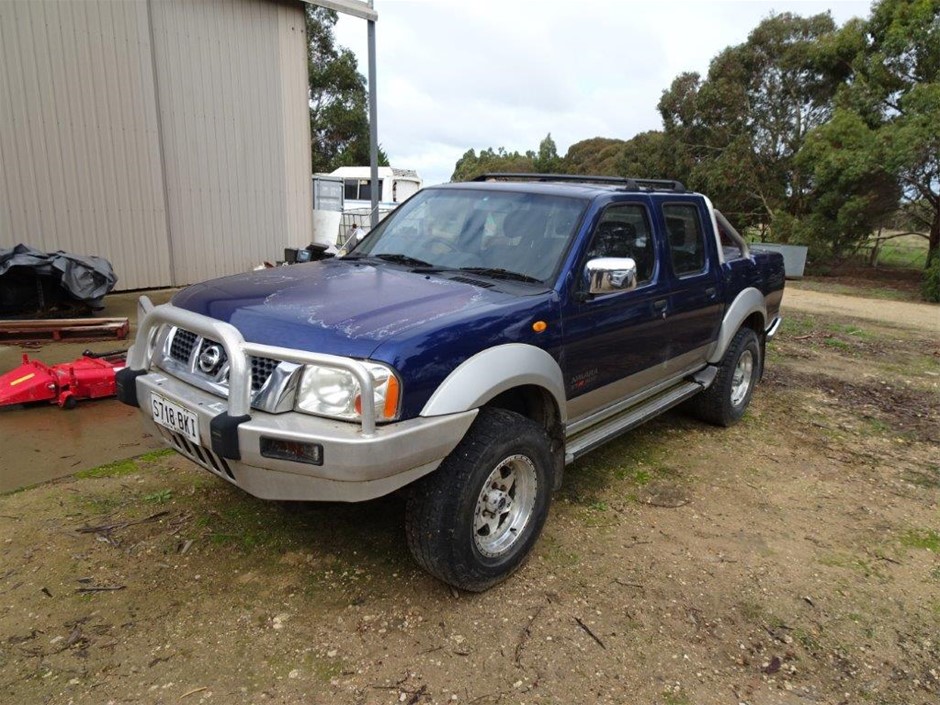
474,520
726,400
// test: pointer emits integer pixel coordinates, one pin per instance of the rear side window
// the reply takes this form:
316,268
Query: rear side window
686,238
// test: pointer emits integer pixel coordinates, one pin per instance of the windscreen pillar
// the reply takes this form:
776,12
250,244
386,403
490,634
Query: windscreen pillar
373,129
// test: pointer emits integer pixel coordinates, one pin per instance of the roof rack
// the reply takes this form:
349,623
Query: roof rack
629,184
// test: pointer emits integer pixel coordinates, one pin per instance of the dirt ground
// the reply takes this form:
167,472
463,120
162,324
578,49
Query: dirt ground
794,558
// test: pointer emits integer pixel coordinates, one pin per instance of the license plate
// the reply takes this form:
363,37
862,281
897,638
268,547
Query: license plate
174,417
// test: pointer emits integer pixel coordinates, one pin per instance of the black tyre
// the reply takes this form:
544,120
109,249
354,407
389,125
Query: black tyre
474,520
726,400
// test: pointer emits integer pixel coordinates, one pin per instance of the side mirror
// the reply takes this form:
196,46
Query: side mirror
607,275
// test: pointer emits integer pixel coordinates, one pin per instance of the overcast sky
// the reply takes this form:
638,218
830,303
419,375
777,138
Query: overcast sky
461,74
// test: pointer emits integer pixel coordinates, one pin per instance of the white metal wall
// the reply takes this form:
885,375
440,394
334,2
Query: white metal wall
79,159
170,136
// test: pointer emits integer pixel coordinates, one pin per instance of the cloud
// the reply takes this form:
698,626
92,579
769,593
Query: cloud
455,75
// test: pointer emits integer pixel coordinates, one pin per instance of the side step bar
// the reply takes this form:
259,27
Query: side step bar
597,435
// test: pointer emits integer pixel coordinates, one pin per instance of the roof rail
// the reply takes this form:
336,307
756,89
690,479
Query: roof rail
629,184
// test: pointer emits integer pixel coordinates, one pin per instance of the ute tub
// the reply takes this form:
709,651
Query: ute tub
357,461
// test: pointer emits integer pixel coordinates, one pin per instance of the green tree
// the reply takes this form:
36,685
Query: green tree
599,156
852,190
885,135
339,123
901,70
736,133
547,161
648,155
470,165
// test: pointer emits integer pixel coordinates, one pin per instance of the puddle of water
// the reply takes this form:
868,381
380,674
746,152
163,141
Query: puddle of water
40,443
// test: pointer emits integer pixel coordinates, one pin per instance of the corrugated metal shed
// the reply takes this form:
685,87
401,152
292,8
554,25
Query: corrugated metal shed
171,136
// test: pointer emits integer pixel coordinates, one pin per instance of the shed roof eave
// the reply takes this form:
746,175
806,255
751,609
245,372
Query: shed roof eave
356,8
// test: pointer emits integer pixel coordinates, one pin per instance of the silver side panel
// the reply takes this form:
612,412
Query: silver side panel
491,372
749,301
590,408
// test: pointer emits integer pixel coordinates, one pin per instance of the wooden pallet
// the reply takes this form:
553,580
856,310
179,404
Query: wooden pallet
77,329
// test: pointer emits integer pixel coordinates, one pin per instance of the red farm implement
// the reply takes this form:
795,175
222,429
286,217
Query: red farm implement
89,377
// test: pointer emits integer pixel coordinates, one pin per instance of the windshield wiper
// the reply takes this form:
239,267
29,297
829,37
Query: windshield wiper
397,258
499,273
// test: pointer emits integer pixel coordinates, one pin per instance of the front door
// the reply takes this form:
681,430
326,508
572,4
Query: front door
617,344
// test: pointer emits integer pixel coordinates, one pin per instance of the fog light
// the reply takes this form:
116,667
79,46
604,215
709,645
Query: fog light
295,451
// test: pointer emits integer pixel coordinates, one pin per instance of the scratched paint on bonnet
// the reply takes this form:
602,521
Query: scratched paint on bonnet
332,306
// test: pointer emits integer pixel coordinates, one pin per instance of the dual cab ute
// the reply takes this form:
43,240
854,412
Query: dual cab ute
480,338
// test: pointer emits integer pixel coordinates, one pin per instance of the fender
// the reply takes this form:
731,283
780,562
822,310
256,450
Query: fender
491,372
748,302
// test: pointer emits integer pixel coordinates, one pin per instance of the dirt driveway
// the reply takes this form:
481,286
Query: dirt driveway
794,558
925,317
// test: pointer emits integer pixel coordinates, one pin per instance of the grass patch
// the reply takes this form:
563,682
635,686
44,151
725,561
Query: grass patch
852,330
876,427
153,455
855,564
807,640
676,698
636,458
102,504
922,538
554,554
159,497
327,669
837,344
795,325
116,469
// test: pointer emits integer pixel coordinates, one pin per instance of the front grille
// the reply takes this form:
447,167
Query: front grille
184,342
182,346
261,369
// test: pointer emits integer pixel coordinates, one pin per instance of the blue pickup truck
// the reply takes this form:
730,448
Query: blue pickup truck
478,340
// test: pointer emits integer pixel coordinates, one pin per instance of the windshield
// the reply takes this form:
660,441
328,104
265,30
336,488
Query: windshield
496,233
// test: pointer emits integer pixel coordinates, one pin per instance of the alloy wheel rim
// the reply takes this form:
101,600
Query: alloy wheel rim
741,379
505,506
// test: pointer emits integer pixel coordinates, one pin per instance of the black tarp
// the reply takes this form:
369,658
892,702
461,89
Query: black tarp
32,280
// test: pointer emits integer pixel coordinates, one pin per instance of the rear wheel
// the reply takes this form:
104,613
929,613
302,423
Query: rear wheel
474,521
726,400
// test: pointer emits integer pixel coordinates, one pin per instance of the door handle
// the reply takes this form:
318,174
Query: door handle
711,292
660,306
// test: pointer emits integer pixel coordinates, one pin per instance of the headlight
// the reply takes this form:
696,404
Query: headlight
334,392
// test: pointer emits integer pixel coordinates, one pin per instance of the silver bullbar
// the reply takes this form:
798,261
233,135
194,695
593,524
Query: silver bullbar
238,351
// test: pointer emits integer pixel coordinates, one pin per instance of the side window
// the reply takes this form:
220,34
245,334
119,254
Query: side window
624,232
686,238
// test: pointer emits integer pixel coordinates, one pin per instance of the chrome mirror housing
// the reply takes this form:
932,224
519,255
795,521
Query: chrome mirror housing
607,275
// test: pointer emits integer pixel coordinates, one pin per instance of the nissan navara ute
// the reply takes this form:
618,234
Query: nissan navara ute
479,339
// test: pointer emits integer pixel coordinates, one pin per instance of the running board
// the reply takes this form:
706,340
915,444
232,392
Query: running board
590,438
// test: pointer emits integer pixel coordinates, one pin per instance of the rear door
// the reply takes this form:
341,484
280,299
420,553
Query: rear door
695,303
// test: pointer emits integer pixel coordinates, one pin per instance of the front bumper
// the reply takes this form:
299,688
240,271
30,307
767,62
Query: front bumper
358,461
355,467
